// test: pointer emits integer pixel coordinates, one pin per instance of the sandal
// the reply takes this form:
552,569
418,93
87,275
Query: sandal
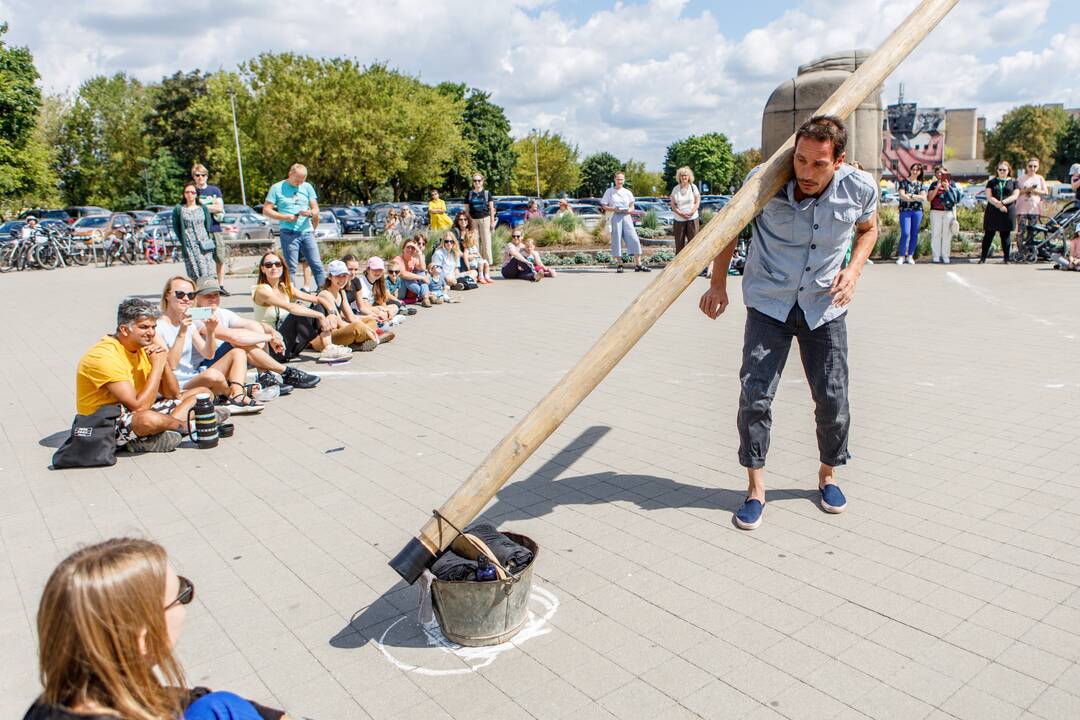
242,403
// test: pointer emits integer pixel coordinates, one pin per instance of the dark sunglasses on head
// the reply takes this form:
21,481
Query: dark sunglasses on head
180,295
186,594
272,264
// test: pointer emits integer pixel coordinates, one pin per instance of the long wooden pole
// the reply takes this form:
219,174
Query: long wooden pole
646,309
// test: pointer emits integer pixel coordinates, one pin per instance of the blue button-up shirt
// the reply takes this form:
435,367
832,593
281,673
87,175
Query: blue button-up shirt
798,247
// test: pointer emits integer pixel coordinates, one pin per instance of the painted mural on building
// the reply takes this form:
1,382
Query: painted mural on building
912,135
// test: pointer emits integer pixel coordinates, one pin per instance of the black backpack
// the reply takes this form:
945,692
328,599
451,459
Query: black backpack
478,203
92,442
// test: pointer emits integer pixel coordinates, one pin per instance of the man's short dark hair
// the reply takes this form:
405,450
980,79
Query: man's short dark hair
825,128
133,309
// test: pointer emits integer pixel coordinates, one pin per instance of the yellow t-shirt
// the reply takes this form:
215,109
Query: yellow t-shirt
107,362
438,221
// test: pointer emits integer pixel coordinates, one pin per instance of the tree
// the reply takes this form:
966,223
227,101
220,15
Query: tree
1025,132
708,155
597,171
172,125
1067,151
487,132
745,161
557,159
25,159
641,181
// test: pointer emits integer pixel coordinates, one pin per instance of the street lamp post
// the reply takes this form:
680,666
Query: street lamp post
236,137
536,158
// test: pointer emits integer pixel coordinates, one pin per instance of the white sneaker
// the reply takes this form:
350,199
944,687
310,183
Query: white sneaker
945,260
397,319
900,260
910,260
335,353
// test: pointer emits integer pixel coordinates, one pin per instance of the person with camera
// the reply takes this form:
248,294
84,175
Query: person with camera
943,196
293,201
1029,205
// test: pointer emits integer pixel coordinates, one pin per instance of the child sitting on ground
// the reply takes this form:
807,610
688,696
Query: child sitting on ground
474,261
534,257
438,292
395,288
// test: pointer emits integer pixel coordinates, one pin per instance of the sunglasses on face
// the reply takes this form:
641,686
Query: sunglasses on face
393,272
516,237
272,264
189,192
180,295
186,594
200,174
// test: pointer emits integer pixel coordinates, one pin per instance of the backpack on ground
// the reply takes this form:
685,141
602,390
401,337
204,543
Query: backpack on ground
92,441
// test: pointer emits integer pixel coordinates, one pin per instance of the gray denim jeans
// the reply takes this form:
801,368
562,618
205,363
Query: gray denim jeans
824,357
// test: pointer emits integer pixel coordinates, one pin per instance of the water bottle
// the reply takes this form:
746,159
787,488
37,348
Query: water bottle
485,571
204,428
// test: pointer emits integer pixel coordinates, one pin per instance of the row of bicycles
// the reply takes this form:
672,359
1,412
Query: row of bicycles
50,247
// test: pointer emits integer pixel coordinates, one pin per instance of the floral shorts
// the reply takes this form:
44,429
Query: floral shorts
124,433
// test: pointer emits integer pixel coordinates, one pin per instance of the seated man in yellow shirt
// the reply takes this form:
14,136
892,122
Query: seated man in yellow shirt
129,369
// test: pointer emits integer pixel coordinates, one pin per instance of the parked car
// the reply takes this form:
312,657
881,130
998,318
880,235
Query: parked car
81,211
42,213
160,228
510,214
14,227
238,209
973,196
589,215
243,226
664,214
351,220
106,225
328,226
510,198
141,217
157,208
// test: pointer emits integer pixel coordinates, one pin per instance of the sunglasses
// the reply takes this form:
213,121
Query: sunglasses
476,180
516,237
180,295
272,264
1003,169
200,175
186,594
393,272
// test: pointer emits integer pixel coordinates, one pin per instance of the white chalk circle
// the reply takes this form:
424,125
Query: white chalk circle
423,649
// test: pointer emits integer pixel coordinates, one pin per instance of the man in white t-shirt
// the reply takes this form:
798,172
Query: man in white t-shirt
619,201
253,337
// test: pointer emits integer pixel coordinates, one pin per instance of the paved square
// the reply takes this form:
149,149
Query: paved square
950,588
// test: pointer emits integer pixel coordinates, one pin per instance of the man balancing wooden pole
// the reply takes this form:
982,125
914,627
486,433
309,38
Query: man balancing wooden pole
761,188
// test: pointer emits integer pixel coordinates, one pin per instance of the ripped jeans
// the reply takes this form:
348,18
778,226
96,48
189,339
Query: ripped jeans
766,343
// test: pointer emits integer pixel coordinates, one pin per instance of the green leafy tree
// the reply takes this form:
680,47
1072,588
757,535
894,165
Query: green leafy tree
745,161
597,171
641,181
487,132
558,163
1067,151
26,175
172,125
708,155
1025,132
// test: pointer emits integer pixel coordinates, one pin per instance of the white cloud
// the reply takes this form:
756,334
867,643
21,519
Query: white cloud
628,79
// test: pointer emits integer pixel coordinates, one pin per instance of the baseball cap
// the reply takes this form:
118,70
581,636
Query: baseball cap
206,285
337,267
1074,169
376,263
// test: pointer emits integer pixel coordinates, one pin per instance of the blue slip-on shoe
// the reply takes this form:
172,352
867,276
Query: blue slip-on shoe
832,499
748,516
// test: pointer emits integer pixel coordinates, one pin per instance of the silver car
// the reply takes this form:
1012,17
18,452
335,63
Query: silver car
246,226
328,226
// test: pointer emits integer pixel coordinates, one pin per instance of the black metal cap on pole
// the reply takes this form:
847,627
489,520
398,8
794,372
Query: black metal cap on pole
413,559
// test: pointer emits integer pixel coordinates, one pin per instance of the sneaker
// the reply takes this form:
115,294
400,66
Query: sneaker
618,269
269,379
386,336
900,260
300,379
642,268
457,286
163,442
435,300
910,260
334,353
832,500
869,261
396,320
945,261
368,345
426,302
748,516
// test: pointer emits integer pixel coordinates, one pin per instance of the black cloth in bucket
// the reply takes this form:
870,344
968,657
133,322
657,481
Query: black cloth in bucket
510,555
451,566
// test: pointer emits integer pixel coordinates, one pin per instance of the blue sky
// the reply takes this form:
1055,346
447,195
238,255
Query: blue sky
626,77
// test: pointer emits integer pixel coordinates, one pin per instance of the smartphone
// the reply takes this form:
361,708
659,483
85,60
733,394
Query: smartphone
200,313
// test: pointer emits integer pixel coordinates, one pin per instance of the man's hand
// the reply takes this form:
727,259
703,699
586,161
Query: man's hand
714,302
157,355
211,324
843,286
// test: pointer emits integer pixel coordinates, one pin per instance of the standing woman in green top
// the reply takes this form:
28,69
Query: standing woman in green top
191,223
1000,214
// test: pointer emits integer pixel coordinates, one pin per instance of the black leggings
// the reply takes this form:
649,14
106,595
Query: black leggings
988,240
297,332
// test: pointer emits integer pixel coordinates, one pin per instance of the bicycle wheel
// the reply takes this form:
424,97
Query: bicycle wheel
109,251
77,252
127,252
7,257
46,256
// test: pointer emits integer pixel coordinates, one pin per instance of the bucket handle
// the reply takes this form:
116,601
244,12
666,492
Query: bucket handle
509,581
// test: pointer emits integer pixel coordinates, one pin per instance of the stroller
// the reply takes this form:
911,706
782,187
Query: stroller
1047,240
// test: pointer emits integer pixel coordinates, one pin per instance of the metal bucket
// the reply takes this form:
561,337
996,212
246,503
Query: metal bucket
485,613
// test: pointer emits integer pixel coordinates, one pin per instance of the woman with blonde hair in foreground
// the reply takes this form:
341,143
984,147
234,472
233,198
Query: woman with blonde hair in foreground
110,615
